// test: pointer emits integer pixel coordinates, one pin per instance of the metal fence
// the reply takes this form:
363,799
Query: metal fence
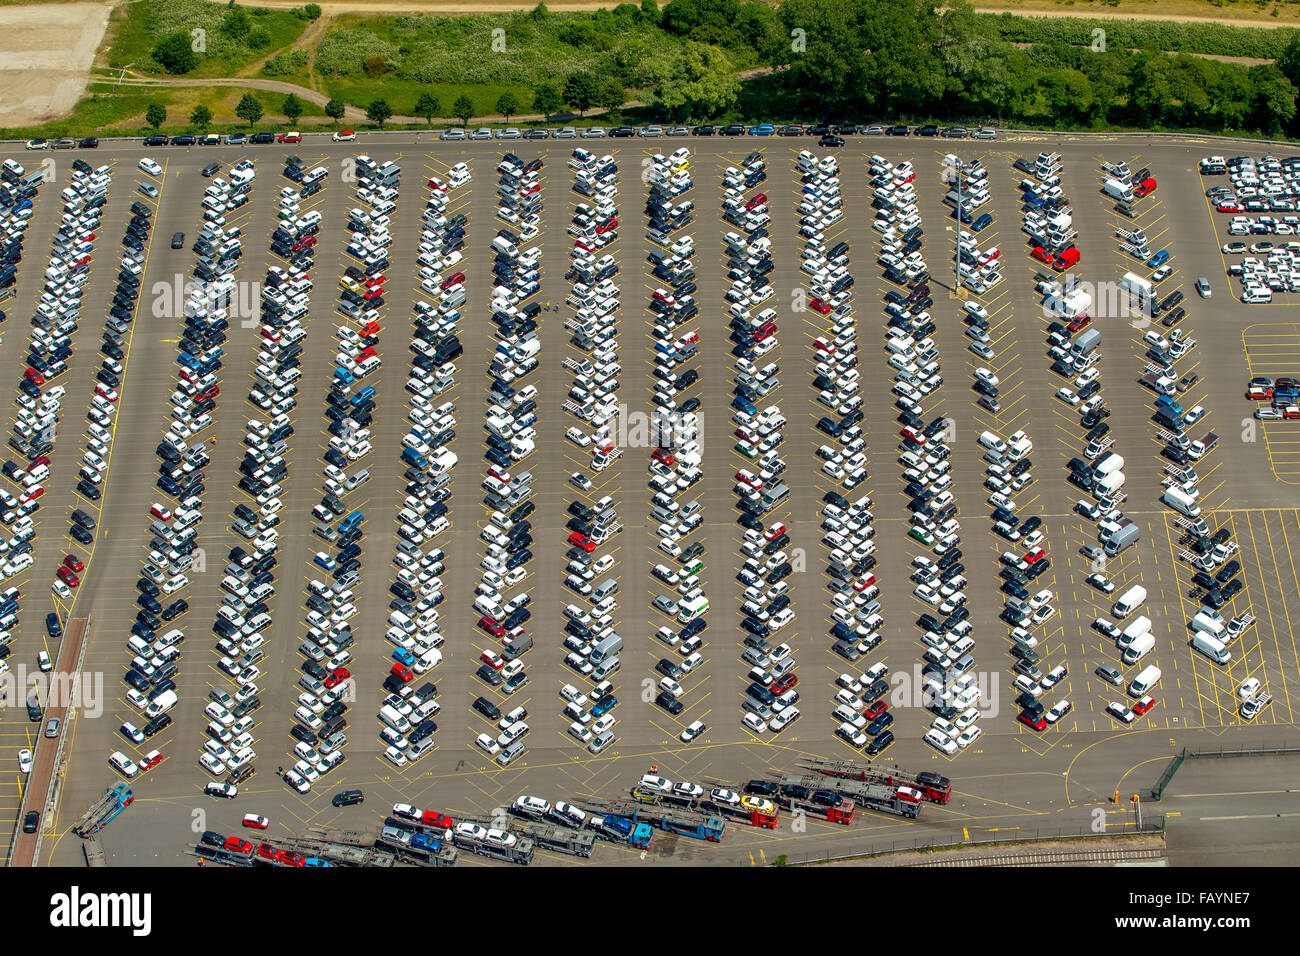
1158,790
1036,835
1243,751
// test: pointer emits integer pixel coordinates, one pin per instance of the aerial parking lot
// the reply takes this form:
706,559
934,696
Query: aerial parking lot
643,468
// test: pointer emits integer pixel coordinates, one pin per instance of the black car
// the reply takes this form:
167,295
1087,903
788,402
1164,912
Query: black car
347,798
488,709
1228,572
669,703
52,625
899,130
830,140
31,821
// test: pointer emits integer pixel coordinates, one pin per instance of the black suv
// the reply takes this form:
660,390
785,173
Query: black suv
347,798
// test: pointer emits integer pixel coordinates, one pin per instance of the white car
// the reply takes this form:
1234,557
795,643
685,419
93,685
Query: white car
754,722
150,167
122,764
1067,395
487,744
940,741
1249,688
24,761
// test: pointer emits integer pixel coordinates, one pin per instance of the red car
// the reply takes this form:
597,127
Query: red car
756,201
212,391
372,292
439,821
161,513
582,541
820,306
663,455
370,328
1034,554
237,844
31,494
402,673
456,278
338,677
67,577
271,335
267,852
749,480
609,226
579,244
1065,258
766,332
783,683
775,531
1078,322
33,376
1145,704
875,710
306,242
289,858
365,353
73,563
151,762
864,582
909,432
1041,254
1230,207
1034,723
486,623
256,821
373,281
292,137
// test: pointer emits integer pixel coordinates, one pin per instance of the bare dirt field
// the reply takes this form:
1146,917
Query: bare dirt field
45,57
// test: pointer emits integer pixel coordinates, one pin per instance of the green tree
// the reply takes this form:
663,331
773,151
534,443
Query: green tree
1289,61
650,11
201,117
539,12
249,109
312,10
427,106
1275,98
507,105
378,112
463,109
826,68
334,109
292,108
174,53
155,115
696,83
580,91
547,100
236,24
611,94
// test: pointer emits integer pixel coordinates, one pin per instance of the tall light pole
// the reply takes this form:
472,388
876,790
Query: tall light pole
123,73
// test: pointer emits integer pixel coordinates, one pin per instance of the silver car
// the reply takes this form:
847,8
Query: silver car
453,134
597,132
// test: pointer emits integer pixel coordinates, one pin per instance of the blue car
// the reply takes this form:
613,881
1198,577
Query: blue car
762,129
343,375
983,222
404,656
604,705
1159,259
740,405
52,625
324,560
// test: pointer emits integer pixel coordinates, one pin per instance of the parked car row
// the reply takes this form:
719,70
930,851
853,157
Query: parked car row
511,420
242,622
737,129
591,641
770,695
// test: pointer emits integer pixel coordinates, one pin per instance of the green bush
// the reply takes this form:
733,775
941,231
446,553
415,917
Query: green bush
286,64
1214,38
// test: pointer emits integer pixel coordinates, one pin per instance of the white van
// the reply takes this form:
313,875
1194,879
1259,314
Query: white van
398,619
1142,684
1139,648
393,718
161,704
1202,623
1129,601
1211,647
993,442
1140,626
